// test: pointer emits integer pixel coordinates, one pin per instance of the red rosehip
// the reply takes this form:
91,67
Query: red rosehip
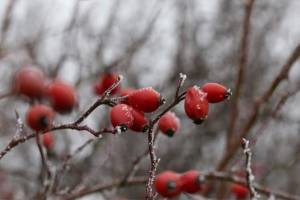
196,104
169,124
48,140
29,81
39,117
105,82
121,115
168,184
240,191
191,181
140,122
62,96
145,99
216,92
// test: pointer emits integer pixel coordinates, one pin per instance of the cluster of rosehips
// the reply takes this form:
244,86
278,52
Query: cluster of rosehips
171,184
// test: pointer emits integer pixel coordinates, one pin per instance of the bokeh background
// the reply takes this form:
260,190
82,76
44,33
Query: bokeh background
150,43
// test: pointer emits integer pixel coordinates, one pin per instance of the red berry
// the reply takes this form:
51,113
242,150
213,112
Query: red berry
145,99
168,184
105,82
169,124
196,104
62,96
48,140
191,181
121,115
29,81
140,122
241,192
216,92
39,117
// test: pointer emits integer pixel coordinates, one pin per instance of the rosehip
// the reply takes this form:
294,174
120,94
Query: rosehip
191,181
216,92
168,184
62,96
48,140
240,192
169,124
29,81
105,82
140,122
39,117
196,104
145,99
121,115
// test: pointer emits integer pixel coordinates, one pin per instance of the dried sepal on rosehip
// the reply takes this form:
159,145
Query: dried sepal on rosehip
29,81
62,96
169,124
140,122
40,117
48,140
125,93
168,184
196,104
216,92
239,191
121,116
145,99
105,81
192,181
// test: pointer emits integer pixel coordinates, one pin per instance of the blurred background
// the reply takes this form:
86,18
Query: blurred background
150,43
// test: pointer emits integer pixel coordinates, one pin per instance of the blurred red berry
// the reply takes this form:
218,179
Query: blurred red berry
216,92
29,81
106,81
145,99
48,140
196,104
121,116
191,181
39,117
140,122
239,191
169,124
168,184
62,96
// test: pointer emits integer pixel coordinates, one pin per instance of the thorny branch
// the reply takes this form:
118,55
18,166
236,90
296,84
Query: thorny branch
150,195
249,175
104,100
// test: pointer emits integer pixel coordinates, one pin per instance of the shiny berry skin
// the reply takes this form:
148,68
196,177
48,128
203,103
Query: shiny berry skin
29,81
168,184
48,140
196,104
121,116
39,117
169,124
144,99
240,192
105,82
140,122
216,92
191,181
62,96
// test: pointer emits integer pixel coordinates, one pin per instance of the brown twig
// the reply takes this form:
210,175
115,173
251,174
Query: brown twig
283,74
243,57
